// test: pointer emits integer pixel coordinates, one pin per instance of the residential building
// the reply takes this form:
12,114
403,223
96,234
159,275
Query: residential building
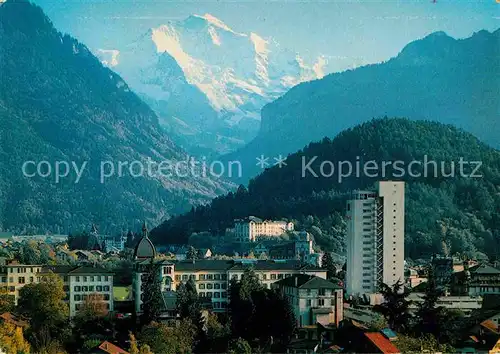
13,276
478,280
78,281
81,281
251,228
212,277
313,299
375,238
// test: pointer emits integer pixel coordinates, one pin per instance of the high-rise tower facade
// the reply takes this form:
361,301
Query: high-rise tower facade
375,238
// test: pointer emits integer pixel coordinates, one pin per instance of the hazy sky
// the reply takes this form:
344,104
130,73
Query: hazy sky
355,31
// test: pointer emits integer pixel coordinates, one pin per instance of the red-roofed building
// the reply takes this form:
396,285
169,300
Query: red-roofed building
376,343
109,348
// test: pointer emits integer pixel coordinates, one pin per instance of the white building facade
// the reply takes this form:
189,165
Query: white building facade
375,238
249,229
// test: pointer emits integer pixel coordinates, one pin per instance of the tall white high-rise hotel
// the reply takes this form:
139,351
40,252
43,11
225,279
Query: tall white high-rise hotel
375,238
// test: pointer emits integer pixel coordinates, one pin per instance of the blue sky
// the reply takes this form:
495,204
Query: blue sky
366,31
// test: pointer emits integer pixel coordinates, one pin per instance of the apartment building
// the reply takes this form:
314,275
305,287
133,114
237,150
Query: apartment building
313,299
81,281
212,277
375,238
13,276
251,228
78,281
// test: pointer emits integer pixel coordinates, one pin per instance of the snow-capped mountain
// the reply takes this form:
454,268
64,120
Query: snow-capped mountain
229,76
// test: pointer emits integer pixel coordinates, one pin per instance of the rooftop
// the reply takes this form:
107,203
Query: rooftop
383,344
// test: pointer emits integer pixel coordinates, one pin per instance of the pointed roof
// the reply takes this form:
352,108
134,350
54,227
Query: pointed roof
145,248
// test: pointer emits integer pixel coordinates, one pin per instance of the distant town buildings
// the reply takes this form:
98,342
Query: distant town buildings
375,238
251,228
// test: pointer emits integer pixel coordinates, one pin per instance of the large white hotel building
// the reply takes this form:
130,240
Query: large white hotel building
375,238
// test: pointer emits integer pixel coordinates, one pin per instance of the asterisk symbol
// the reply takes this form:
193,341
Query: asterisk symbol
262,161
280,161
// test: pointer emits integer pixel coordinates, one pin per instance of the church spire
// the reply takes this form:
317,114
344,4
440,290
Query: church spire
144,229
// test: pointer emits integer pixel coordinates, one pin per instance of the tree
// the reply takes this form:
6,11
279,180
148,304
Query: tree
133,349
12,339
44,305
6,301
328,264
188,303
192,253
93,307
430,316
395,307
145,349
167,340
153,299
239,346
91,321
427,343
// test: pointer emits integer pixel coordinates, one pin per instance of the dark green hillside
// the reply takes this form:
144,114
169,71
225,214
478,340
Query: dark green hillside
58,103
462,211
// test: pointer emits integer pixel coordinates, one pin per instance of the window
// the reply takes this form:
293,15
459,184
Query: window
210,276
273,276
348,207
184,277
264,276
223,295
85,288
77,279
11,279
210,286
106,297
106,288
177,277
92,278
22,280
216,276
99,278
280,276
217,286
322,292
366,281
321,302
12,289
77,297
77,288
202,294
224,286
217,294
202,276
224,277
209,294
84,279
202,286
106,278
91,288
308,302
98,288
366,274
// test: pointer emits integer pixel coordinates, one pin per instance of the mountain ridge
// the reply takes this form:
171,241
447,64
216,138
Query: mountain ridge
59,103
458,210
435,78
